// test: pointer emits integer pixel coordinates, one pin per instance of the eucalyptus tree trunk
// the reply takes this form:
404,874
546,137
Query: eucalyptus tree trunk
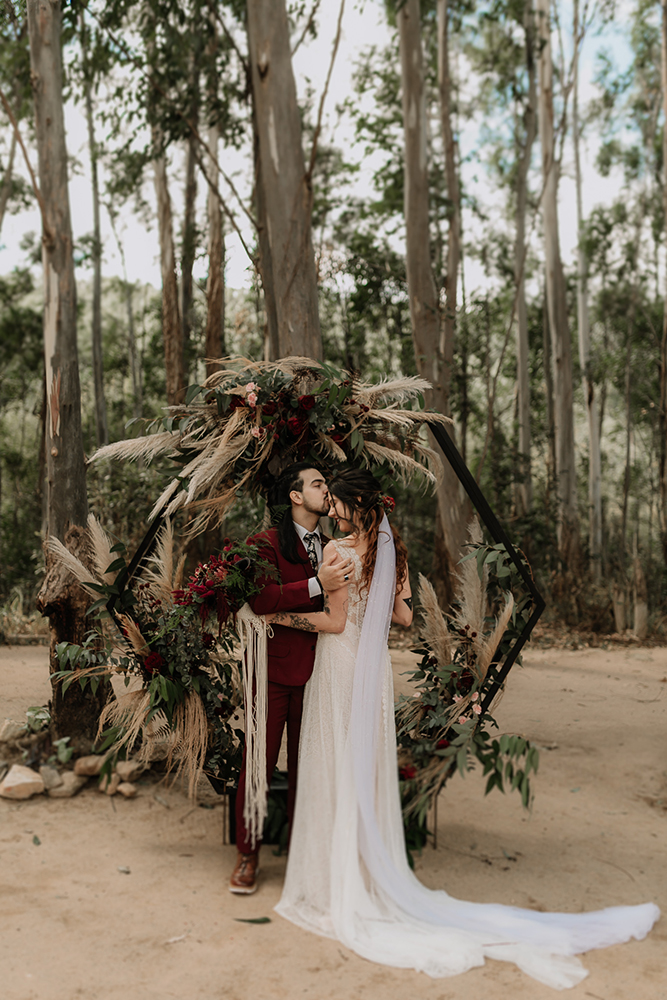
214,346
101,425
433,353
172,330
590,397
523,497
74,715
283,185
663,345
189,233
453,193
566,481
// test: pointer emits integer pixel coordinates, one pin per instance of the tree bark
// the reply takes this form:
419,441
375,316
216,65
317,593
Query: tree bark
523,496
172,331
282,182
66,474
433,351
214,347
663,344
189,234
590,396
566,482
66,504
101,425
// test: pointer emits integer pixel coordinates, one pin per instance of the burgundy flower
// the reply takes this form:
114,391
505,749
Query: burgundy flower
295,425
269,408
207,640
235,402
306,402
442,744
407,773
337,437
153,663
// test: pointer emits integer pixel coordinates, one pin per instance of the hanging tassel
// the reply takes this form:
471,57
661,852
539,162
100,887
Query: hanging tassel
254,632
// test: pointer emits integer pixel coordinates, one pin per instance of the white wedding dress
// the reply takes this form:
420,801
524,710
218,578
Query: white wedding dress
347,873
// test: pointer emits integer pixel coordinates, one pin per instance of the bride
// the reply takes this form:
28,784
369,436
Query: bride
347,873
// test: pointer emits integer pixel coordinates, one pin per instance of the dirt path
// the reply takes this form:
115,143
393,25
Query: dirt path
73,925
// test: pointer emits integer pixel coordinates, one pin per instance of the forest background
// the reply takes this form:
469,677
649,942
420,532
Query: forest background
411,225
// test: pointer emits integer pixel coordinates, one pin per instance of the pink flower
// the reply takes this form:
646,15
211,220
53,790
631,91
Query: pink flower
251,387
458,697
463,719
474,696
251,398
256,432
477,709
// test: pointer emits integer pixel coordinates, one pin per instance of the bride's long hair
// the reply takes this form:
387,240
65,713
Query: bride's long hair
361,494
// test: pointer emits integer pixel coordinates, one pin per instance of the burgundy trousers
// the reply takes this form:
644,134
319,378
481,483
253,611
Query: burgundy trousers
285,706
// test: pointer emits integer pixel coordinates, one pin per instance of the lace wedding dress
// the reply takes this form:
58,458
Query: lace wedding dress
347,873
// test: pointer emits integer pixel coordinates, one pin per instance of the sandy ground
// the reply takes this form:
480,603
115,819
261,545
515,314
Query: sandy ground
73,925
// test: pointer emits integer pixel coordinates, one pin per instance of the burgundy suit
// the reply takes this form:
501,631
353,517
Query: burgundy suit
291,655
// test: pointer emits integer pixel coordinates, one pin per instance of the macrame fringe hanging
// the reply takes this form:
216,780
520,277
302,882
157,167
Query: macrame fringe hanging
254,632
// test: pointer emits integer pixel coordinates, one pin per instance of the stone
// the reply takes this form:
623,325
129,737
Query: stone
10,730
129,770
127,789
71,784
89,766
21,783
51,777
109,786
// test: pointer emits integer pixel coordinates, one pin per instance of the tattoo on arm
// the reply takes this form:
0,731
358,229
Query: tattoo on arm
298,621
408,601
327,604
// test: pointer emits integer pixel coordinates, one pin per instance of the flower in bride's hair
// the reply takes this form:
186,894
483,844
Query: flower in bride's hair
388,504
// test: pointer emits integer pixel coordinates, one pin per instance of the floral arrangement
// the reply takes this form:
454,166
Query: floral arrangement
181,641
445,726
250,420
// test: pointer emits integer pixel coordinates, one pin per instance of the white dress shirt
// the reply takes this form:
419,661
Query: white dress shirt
314,587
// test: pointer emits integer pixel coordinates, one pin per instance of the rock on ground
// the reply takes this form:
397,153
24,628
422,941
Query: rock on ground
71,784
11,730
51,777
89,766
21,783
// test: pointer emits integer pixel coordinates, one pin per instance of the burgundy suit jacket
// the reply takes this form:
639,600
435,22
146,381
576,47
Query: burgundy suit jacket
291,651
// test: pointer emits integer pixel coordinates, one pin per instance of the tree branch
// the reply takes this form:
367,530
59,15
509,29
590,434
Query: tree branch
309,22
320,110
38,194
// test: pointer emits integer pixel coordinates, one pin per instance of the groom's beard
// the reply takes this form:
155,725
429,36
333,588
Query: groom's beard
321,512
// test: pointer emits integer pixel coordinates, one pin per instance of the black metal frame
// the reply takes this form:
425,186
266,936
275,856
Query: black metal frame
486,514
491,522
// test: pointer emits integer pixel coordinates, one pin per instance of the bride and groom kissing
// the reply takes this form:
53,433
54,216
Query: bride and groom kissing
347,873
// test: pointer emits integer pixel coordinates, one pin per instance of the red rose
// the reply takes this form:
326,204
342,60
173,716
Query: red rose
337,438
306,402
295,425
153,663
207,640
235,402
442,744
269,408
407,773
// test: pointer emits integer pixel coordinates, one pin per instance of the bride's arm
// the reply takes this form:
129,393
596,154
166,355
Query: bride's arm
331,619
402,613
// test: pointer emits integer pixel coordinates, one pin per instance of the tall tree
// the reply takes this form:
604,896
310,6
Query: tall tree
101,426
74,715
566,480
214,345
283,185
583,324
432,350
663,342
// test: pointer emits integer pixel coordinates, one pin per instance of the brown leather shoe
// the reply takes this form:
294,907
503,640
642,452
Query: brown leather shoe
244,876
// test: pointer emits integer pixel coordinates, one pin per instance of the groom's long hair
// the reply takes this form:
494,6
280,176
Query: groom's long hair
278,498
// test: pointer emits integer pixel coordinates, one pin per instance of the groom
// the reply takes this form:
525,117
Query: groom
294,547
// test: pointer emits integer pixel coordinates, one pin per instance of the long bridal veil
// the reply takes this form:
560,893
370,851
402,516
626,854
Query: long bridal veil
378,907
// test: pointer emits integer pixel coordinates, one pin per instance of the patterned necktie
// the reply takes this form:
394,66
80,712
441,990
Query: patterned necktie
309,542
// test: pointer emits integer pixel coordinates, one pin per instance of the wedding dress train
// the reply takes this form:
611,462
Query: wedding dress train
347,873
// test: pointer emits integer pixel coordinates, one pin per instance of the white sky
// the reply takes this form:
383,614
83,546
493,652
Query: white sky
364,24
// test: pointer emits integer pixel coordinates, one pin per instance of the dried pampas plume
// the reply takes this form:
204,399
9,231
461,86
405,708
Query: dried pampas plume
216,442
435,631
